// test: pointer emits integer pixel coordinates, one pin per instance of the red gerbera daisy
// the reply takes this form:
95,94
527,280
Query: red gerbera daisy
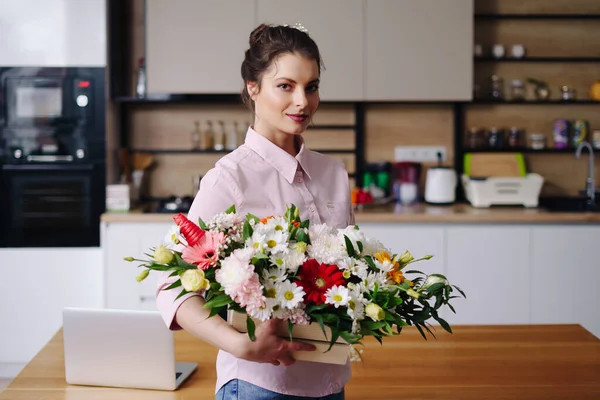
316,278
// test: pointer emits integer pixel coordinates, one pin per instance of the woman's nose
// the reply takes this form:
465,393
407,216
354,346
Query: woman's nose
300,98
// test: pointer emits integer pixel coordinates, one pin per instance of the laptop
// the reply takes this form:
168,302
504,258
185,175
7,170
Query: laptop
121,348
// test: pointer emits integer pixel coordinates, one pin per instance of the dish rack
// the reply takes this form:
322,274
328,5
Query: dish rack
485,192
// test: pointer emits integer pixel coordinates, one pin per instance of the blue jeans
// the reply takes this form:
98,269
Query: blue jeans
236,389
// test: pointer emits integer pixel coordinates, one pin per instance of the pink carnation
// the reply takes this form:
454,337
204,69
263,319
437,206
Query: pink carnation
249,293
205,253
296,316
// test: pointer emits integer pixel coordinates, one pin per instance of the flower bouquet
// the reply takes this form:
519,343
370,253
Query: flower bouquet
332,286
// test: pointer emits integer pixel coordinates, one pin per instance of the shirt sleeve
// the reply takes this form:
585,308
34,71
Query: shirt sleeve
217,192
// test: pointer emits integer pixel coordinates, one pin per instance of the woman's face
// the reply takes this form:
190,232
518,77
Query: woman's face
288,95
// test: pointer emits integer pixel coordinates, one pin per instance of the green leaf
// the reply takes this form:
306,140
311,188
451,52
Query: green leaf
301,236
214,311
183,292
360,246
372,325
335,334
414,271
183,264
251,327
319,319
349,246
436,287
230,210
460,291
305,223
452,308
218,301
350,337
371,264
421,331
175,284
174,273
202,224
250,216
315,307
444,324
247,231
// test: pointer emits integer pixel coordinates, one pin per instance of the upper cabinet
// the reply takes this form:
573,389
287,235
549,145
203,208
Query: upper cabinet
337,28
197,46
419,50
397,50
53,33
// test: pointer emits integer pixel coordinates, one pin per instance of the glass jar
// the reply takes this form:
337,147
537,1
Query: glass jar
496,138
538,141
497,87
475,139
515,138
517,90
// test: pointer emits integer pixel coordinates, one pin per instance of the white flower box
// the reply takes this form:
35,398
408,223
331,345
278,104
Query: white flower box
310,333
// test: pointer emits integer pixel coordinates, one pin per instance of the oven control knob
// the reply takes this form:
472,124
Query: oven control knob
80,153
18,153
82,100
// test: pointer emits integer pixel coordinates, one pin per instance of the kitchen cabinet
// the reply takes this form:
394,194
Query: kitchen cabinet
337,28
197,46
419,50
53,33
565,275
37,283
492,265
130,239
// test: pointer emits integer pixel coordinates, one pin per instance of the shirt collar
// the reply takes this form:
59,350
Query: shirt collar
278,158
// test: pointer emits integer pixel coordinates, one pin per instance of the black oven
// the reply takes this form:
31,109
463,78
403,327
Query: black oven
51,205
52,163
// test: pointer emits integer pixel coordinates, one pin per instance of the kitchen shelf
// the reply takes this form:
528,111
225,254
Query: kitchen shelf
191,151
537,16
539,59
522,150
534,102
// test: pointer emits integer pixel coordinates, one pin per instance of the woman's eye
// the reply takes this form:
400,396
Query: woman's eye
312,88
284,86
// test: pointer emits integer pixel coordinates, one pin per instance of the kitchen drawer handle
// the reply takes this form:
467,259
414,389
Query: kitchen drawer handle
147,298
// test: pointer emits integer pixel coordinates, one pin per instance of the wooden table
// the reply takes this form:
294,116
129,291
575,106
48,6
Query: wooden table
476,362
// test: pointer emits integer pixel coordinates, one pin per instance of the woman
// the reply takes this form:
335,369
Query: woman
273,168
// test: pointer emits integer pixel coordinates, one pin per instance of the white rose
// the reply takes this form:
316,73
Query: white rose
193,280
432,280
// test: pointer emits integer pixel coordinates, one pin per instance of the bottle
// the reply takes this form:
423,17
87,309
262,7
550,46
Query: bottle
219,137
208,136
140,88
232,137
196,134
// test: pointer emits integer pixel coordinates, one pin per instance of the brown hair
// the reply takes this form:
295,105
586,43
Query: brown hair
268,42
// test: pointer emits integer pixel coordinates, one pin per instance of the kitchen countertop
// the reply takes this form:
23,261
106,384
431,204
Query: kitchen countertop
475,362
420,213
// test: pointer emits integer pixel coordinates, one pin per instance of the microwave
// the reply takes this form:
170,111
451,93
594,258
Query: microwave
50,114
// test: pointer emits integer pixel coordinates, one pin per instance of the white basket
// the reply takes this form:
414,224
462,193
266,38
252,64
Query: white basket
485,192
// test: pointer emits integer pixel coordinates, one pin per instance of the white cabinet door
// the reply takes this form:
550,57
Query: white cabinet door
337,28
565,276
122,240
492,265
53,33
197,46
37,283
419,50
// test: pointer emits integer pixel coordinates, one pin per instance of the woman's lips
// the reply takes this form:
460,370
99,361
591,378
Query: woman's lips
297,117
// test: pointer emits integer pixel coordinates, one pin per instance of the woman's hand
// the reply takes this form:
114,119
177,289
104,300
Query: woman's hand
270,348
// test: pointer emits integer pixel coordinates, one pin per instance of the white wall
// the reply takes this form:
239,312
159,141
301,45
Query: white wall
53,33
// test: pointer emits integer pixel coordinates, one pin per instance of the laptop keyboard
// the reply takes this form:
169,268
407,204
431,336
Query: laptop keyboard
177,375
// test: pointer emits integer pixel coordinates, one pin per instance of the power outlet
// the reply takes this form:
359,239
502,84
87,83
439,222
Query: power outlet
419,153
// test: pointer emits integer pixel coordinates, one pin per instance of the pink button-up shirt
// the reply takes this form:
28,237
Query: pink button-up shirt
261,178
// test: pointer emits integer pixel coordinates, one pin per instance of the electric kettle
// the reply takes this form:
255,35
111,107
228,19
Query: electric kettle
440,185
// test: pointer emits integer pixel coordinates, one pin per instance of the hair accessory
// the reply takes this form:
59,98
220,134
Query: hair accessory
298,26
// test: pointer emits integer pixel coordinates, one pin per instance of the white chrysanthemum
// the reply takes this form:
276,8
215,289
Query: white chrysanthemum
385,266
263,312
277,224
275,274
337,295
276,241
354,235
326,248
173,238
372,246
356,304
317,230
368,282
292,260
289,294
257,241
235,270
271,289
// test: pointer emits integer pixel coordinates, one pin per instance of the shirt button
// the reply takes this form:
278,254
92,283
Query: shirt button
312,209
299,179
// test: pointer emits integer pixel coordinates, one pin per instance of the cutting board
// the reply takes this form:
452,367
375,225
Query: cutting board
494,165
